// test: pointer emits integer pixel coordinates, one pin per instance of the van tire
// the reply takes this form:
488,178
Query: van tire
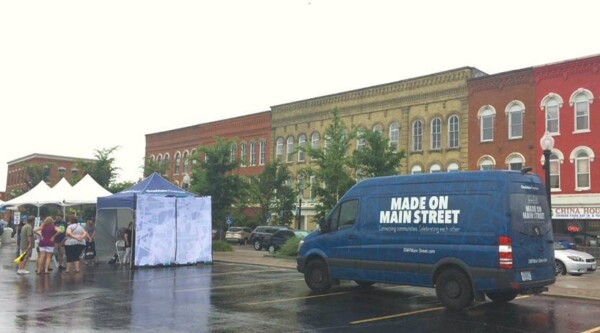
364,284
316,276
453,289
501,296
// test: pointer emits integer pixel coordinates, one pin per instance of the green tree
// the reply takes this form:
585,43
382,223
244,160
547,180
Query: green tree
274,194
376,157
333,175
151,166
35,173
103,169
120,186
215,176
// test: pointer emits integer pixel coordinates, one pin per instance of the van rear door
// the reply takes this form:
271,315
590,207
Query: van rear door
531,232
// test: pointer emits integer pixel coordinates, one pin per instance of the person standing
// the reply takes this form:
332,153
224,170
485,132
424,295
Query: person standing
59,242
90,249
48,232
26,244
74,244
128,233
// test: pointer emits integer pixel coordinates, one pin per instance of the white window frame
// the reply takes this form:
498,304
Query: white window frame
453,167
436,133
233,152
252,153
581,98
575,159
262,152
394,136
279,149
243,154
360,142
486,115
417,135
301,144
416,169
515,124
513,159
453,131
289,149
550,104
486,163
435,168
177,163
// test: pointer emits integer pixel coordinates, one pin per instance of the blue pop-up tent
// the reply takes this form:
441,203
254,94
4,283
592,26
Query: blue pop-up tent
115,212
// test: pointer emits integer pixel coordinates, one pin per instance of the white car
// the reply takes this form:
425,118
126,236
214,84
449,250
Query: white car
572,261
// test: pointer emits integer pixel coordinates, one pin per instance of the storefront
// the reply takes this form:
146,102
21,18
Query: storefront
577,215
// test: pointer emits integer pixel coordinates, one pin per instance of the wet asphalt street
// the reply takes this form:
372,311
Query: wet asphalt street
233,297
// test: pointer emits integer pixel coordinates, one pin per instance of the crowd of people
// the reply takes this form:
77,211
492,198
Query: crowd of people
67,241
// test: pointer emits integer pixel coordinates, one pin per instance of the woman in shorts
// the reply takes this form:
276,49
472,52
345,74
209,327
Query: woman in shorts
47,231
74,244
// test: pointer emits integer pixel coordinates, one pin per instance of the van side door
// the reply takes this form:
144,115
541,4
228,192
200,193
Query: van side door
342,239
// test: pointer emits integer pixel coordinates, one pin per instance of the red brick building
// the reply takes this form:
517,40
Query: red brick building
502,115
251,134
567,106
59,167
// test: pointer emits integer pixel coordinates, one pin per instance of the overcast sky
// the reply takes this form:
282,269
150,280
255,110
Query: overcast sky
78,76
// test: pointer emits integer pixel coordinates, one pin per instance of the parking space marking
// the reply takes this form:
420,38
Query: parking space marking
316,296
370,320
237,285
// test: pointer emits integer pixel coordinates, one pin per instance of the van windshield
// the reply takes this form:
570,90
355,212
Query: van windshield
530,214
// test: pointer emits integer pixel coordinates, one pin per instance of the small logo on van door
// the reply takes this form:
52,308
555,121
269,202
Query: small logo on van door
536,231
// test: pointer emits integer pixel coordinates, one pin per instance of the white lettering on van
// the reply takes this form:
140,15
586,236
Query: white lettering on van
533,213
419,210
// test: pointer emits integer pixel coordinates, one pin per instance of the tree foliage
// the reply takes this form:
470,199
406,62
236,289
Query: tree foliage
215,176
35,173
272,193
151,166
334,174
376,157
103,169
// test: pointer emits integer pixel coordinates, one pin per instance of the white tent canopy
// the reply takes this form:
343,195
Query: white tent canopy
36,196
86,191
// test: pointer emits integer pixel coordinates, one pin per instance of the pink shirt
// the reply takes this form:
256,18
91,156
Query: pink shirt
47,232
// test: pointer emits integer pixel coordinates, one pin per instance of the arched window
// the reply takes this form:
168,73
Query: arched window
582,170
453,132
301,146
394,136
378,128
551,104
279,149
416,169
515,111
289,150
515,161
554,171
177,163
243,154
580,101
360,140
486,163
186,162
435,168
417,135
61,172
233,152
159,160
436,133
252,153
486,116
195,157
453,167
167,163
262,152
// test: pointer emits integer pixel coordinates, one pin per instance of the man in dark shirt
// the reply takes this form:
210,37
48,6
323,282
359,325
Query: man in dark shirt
59,241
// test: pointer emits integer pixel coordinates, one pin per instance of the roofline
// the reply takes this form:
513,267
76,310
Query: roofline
209,123
48,156
567,61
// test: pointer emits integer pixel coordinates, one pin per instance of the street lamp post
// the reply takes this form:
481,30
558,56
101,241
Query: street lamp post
547,143
299,215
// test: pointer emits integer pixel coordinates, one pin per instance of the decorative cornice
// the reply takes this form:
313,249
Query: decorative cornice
461,74
566,69
49,157
502,80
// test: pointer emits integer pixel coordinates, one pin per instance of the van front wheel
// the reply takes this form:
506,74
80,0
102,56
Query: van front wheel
316,276
501,296
453,289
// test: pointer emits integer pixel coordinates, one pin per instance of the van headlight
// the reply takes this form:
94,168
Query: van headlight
300,244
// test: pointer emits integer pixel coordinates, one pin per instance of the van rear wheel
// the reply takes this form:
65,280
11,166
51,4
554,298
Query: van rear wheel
453,289
501,296
316,276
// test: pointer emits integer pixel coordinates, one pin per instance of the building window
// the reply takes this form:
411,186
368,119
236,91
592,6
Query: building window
551,104
186,162
262,152
580,101
195,157
436,134
582,169
554,171
394,136
159,161
233,152
515,162
74,173
312,184
177,163
453,131
486,163
61,172
378,128
486,123
243,153
279,149
417,135
360,141
289,149
435,168
515,111
301,146
453,167
252,153
416,169
167,163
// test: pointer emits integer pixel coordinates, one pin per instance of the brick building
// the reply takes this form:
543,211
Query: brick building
251,134
58,167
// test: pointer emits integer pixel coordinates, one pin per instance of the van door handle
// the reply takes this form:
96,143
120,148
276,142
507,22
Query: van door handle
352,236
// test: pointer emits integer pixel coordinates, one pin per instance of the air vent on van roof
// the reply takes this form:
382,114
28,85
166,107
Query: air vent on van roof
526,170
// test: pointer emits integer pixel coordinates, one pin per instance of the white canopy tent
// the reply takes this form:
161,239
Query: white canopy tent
85,192
37,196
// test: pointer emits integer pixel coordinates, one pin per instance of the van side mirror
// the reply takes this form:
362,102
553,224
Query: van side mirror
324,225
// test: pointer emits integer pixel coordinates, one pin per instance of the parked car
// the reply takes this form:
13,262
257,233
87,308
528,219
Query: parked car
572,261
240,235
280,237
261,236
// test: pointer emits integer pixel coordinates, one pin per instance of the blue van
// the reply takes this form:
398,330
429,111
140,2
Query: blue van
467,234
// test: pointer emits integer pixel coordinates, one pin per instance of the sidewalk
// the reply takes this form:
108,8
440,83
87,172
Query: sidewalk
586,286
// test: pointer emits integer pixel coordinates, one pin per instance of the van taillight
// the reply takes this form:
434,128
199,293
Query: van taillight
505,255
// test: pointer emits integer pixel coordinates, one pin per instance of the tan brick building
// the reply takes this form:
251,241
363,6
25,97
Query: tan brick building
427,117
61,166
251,134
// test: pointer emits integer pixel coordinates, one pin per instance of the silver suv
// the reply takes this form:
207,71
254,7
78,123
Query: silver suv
239,235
